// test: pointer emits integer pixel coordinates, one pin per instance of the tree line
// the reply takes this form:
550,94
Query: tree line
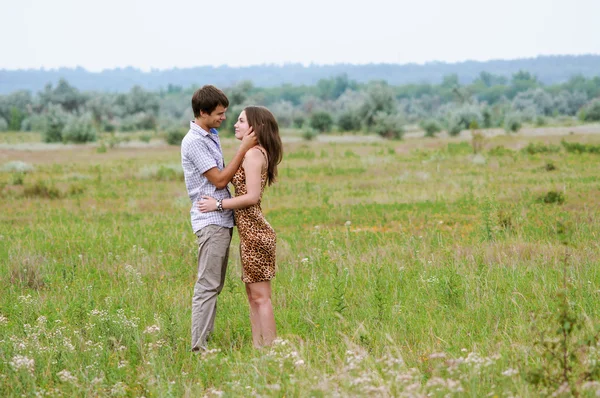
548,69
64,113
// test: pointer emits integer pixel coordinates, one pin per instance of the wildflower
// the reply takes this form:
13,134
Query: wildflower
510,372
66,377
134,276
118,389
348,223
22,362
26,299
153,329
436,355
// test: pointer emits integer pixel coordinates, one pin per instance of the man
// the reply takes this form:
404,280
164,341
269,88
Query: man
205,174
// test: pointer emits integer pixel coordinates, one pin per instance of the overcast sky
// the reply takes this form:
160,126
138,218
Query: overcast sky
105,34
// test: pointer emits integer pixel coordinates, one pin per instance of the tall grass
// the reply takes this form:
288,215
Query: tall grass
403,269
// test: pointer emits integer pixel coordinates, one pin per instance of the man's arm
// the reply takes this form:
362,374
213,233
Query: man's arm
220,178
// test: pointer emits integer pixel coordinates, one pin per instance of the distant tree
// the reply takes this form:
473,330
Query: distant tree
331,89
3,124
239,93
55,119
450,81
569,103
522,81
535,100
79,129
321,121
16,117
489,80
380,99
298,121
349,121
64,95
462,117
591,112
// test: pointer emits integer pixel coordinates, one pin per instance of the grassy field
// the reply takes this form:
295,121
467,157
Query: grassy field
405,268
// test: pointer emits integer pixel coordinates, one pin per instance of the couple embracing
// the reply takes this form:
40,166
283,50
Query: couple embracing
214,211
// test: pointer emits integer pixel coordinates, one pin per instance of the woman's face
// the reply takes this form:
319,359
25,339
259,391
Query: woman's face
241,126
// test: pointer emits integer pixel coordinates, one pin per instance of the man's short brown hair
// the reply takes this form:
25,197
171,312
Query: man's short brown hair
207,98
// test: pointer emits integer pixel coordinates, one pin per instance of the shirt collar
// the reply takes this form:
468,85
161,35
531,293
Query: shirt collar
200,130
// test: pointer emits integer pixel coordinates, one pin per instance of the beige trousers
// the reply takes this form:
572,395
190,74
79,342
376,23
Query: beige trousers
213,253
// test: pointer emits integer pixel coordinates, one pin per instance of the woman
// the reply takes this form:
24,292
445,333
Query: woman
257,237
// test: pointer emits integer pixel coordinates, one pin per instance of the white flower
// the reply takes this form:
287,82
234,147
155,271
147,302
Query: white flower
153,329
348,223
25,299
510,372
66,377
22,362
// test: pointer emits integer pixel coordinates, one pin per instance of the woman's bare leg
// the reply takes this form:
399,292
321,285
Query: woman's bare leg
261,313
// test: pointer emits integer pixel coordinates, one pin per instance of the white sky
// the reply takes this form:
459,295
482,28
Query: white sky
105,34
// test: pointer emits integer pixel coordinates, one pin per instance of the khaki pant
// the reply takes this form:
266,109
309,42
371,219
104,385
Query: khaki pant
213,253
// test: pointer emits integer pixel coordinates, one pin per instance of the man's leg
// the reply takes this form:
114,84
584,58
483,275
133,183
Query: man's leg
213,250
211,323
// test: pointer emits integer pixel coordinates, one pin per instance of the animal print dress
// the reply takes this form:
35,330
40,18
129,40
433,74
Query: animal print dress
257,237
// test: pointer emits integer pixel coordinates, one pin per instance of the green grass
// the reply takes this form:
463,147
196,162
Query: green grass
403,268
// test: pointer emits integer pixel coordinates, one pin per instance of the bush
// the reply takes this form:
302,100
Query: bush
298,121
349,121
175,135
389,125
79,129
321,121
552,197
431,127
3,124
591,112
138,121
576,147
41,190
533,148
462,119
500,150
17,166
34,122
309,134
512,123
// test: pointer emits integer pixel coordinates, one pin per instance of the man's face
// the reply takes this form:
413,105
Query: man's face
214,120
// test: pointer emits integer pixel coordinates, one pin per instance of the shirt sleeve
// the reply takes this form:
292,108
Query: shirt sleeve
200,156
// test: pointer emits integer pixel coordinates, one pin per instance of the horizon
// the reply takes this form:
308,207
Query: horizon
266,64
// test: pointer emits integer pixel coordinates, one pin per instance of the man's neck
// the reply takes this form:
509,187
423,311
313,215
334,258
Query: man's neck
203,125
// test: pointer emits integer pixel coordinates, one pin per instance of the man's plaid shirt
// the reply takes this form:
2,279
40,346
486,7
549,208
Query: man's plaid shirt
200,152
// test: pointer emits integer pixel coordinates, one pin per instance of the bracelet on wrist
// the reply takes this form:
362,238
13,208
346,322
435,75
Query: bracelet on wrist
220,205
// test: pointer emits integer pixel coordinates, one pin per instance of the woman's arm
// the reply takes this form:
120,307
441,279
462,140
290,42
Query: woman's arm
253,165
220,178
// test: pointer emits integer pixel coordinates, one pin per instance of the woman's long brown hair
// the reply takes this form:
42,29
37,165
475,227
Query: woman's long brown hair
266,129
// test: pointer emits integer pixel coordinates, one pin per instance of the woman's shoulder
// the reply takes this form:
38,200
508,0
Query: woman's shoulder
256,152
255,155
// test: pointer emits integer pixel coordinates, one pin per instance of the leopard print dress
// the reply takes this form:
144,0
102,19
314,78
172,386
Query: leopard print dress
257,237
